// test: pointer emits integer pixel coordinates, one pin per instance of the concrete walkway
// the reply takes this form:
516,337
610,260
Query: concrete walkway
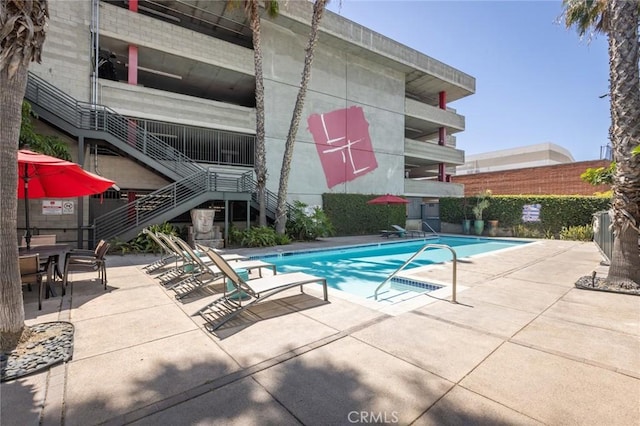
522,346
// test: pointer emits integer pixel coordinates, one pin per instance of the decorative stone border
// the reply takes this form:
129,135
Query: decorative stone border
50,344
600,284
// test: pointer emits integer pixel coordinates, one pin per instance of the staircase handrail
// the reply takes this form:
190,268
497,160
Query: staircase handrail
156,203
86,116
270,198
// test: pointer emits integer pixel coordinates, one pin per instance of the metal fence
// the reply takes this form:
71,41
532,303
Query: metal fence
602,233
201,144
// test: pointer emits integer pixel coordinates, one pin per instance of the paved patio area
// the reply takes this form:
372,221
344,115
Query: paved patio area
522,346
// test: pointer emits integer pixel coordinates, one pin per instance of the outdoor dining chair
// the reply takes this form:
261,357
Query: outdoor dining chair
32,273
79,260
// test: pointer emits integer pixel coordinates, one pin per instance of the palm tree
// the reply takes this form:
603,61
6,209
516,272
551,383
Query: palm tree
619,19
252,9
22,34
281,210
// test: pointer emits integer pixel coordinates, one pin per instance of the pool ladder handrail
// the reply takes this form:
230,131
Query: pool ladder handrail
432,230
416,254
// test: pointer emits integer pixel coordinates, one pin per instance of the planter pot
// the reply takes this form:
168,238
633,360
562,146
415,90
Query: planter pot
478,226
466,226
493,228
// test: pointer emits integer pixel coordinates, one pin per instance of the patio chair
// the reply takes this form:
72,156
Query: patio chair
32,273
398,231
230,304
189,260
166,254
79,260
206,272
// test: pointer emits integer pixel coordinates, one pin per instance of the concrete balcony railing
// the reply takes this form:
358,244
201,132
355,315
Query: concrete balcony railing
143,31
131,100
433,152
422,111
432,188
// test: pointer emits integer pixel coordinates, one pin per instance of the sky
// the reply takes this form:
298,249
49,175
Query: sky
536,81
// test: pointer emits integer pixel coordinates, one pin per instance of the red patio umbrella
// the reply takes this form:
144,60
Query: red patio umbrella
42,176
388,199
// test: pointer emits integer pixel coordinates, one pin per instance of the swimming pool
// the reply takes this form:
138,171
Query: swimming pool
360,269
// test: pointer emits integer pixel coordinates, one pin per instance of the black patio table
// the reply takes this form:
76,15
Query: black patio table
50,255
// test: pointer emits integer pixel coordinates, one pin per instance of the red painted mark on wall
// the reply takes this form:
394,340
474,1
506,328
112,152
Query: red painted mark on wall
343,143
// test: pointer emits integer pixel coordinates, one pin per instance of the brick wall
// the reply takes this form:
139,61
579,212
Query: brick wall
559,179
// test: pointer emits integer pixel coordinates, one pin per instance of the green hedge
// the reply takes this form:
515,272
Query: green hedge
351,215
557,211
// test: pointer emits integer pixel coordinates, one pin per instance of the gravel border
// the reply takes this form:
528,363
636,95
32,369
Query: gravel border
601,284
55,346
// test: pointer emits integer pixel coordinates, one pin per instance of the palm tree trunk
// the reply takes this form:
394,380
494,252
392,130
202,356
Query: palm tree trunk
625,135
23,27
11,303
281,210
260,165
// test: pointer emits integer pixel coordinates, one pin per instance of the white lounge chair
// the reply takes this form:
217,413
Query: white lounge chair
230,304
166,254
189,259
205,271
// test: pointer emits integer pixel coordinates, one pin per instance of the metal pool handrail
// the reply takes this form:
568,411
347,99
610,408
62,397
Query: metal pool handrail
432,230
405,264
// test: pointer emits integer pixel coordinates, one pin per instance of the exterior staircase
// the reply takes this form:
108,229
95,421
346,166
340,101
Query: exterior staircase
193,184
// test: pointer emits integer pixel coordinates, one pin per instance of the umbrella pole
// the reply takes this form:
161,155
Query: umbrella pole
27,236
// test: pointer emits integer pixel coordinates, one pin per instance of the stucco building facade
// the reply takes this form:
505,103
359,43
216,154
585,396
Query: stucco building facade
178,77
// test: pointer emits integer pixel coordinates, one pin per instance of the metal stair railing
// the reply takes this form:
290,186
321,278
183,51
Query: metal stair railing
270,198
86,116
416,254
145,208
141,212
432,230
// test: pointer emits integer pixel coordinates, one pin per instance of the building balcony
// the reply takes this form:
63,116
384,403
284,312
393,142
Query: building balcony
423,120
427,153
432,188
144,102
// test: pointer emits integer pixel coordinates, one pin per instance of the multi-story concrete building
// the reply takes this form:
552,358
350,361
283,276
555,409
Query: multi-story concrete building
160,96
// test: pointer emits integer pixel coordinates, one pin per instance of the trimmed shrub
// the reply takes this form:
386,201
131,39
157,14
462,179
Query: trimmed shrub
577,233
556,212
351,215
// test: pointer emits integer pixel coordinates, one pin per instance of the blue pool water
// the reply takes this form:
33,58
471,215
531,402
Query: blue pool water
360,269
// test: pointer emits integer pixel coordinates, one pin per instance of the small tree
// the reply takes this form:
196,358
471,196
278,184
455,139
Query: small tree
482,204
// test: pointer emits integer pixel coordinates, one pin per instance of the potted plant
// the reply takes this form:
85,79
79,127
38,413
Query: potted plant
466,222
481,204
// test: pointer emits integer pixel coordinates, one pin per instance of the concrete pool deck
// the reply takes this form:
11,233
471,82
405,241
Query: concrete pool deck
522,346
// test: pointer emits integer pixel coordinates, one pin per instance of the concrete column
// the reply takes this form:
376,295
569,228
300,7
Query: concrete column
132,77
226,223
442,135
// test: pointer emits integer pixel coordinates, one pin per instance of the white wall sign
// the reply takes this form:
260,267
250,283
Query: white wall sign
68,207
531,212
51,207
